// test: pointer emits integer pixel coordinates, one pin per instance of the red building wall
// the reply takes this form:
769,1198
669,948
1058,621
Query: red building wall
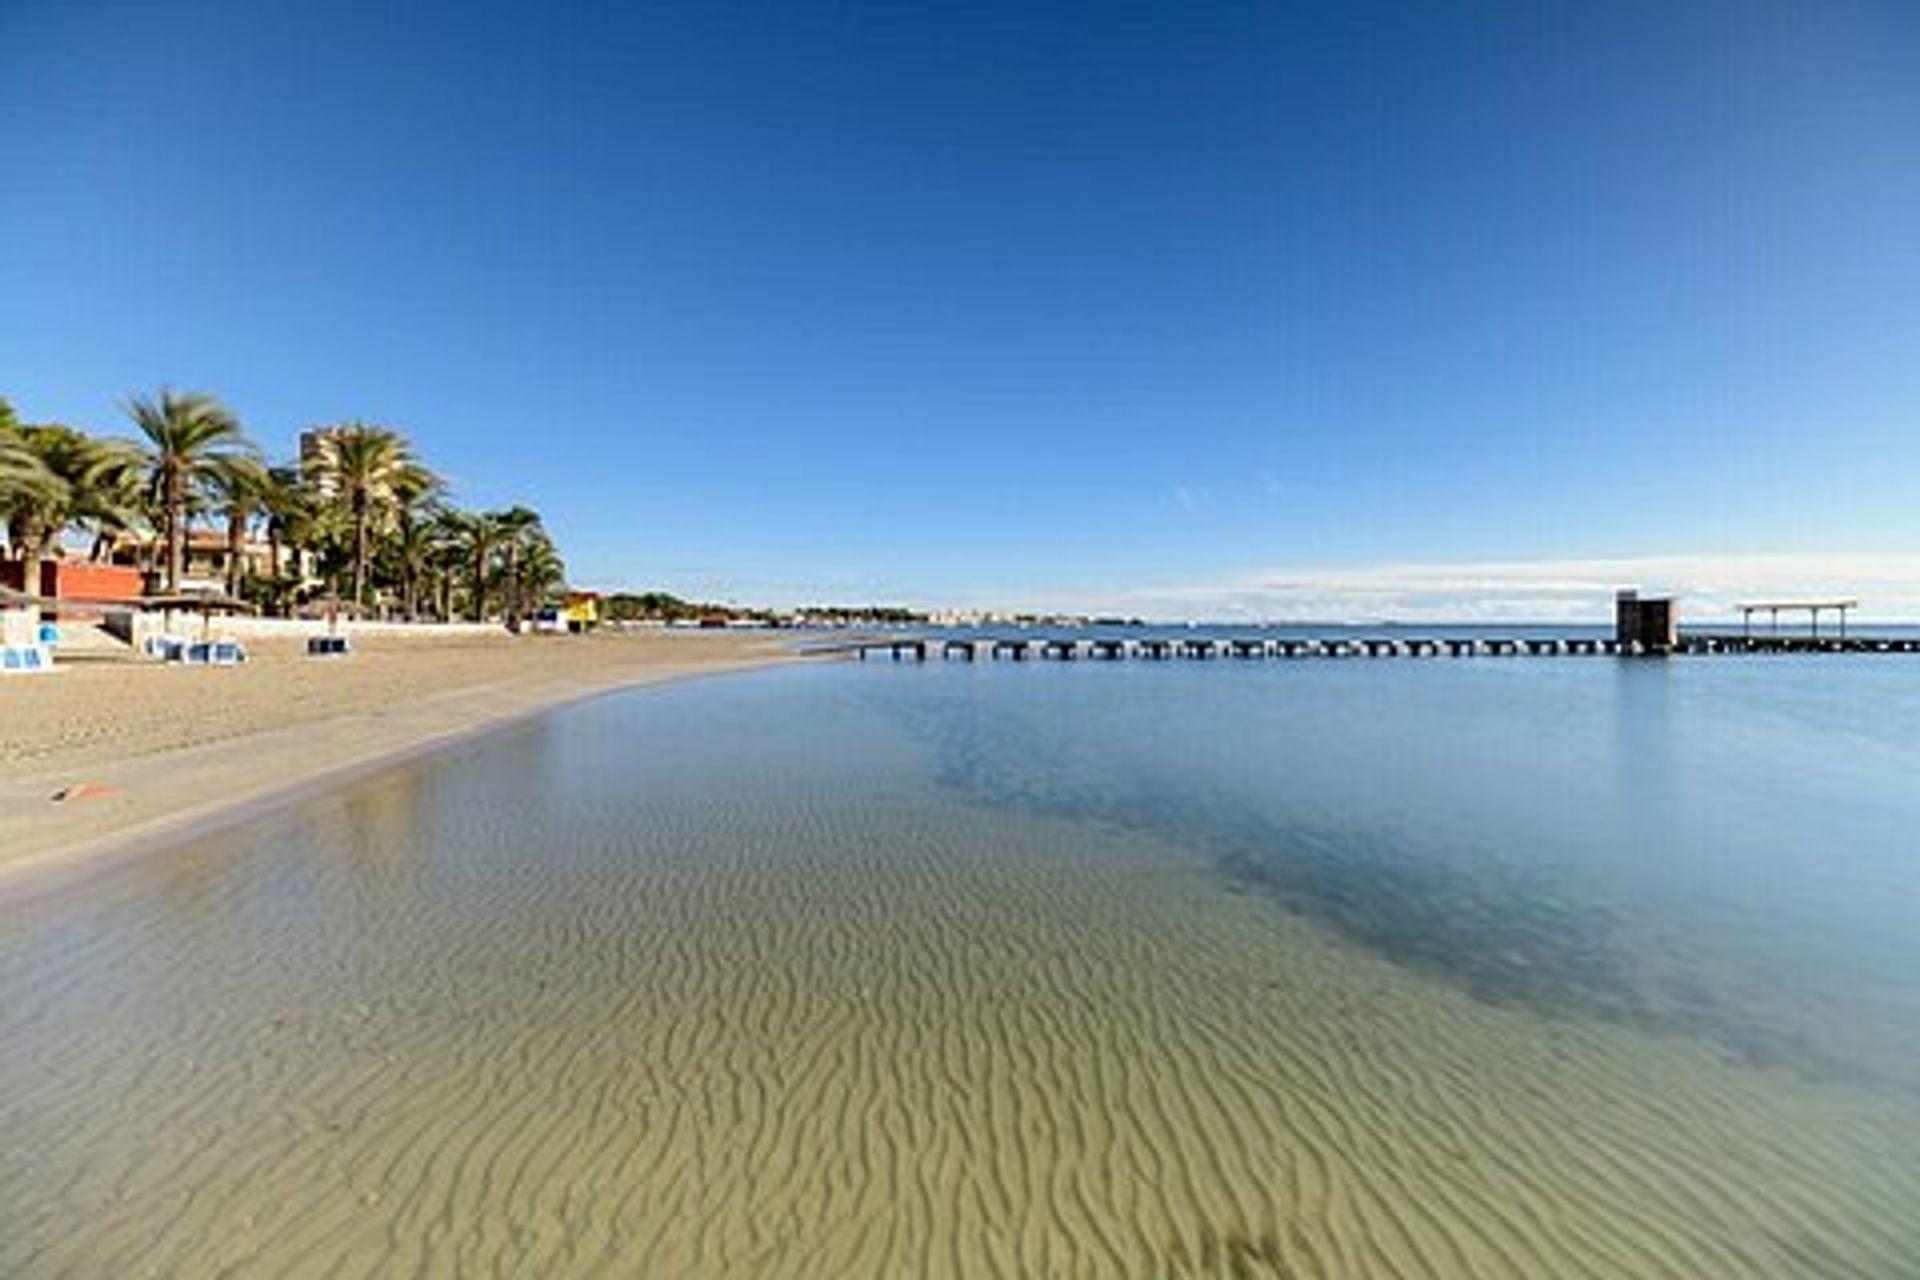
69,579
74,579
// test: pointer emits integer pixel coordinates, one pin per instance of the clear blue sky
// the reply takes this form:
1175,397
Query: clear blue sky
1006,301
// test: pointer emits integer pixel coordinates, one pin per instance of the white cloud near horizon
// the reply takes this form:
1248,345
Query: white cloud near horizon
1571,590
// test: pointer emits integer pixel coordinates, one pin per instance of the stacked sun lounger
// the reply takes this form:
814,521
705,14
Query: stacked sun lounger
24,659
196,653
214,653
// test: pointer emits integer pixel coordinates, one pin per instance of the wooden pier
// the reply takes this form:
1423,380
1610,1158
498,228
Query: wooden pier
914,648
1200,648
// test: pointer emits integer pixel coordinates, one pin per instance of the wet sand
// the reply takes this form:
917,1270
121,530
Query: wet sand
957,1064
146,752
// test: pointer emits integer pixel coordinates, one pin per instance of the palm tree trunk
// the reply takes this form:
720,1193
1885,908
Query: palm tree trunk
38,541
236,543
513,586
360,559
479,585
176,527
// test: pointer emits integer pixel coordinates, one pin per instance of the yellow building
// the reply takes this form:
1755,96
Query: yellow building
582,611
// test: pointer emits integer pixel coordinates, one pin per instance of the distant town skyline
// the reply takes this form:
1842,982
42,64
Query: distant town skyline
1707,587
1365,311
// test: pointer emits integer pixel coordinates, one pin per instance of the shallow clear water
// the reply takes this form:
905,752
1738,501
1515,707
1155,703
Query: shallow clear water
1402,968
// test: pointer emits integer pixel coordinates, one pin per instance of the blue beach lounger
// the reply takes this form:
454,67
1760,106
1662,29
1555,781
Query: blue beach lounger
25,659
217,653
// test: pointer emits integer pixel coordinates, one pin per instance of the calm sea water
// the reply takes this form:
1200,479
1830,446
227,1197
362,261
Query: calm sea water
1722,845
1484,967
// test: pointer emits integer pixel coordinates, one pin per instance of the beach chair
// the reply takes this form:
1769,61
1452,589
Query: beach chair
213,653
25,659
164,648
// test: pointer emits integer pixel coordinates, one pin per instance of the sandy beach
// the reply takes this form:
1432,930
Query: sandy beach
108,754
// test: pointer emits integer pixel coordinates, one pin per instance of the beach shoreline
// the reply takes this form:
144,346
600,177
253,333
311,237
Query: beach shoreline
152,757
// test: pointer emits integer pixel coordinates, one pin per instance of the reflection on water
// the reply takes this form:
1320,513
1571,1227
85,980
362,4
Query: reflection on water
1520,969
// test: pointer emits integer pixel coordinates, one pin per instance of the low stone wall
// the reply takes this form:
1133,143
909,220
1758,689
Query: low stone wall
296,628
134,628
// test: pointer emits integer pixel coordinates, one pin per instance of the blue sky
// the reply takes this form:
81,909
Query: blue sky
1012,303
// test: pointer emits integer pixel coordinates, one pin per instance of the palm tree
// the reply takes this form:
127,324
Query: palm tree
449,556
361,503
368,473
475,533
239,485
41,497
518,527
84,481
540,568
288,505
187,437
24,478
414,550
77,480
110,499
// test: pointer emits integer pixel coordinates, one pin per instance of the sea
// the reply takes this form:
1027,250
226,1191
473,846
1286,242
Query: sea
1521,967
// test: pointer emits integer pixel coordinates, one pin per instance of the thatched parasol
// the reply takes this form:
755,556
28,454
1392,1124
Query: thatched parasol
205,603
199,601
